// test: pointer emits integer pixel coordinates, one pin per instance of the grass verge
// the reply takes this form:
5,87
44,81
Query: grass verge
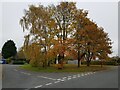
67,68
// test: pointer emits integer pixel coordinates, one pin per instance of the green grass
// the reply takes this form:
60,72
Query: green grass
67,68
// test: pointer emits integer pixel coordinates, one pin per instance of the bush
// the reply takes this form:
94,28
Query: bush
19,62
99,62
110,63
118,61
8,60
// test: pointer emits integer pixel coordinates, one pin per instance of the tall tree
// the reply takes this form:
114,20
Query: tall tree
89,40
38,22
64,15
20,53
9,49
81,21
60,29
95,43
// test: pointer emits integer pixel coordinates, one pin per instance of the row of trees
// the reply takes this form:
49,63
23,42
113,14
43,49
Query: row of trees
56,31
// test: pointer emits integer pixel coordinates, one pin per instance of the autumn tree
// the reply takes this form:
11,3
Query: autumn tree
81,20
88,39
38,22
64,15
20,53
95,43
56,30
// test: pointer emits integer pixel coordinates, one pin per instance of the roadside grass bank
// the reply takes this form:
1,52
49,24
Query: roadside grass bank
67,68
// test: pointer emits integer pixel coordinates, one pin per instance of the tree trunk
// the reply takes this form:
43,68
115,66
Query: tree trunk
78,63
88,63
78,59
49,62
101,64
43,65
62,60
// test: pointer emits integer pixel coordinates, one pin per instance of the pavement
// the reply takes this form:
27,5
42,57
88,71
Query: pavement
14,77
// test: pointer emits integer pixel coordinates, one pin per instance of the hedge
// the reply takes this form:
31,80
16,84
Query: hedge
99,63
18,62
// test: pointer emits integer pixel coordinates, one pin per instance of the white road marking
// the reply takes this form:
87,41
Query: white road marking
39,86
48,84
57,82
74,76
64,77
78,75
46,77
91,72
69,78
15,70
26,73
86,74
82,74
63,80
58,79
23,72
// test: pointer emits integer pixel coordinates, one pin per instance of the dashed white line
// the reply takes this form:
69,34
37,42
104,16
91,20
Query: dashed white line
69,78
58,79
26,73
78,75
64,77
86,74
48,84
46,77
63,80
23,72
91,73
82,74
15,70
39,86
57,82
74,76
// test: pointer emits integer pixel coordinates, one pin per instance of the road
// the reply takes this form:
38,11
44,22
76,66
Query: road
14,77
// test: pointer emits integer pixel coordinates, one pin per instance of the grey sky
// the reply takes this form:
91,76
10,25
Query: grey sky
105,14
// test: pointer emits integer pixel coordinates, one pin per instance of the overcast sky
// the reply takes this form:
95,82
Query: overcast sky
105,14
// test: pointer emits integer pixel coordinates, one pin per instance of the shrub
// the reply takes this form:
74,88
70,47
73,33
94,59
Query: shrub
110,63
99,62
8,60
19,62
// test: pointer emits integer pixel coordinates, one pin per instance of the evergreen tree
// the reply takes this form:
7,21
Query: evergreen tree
9,49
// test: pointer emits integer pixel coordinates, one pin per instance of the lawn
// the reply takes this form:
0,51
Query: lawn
67,68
